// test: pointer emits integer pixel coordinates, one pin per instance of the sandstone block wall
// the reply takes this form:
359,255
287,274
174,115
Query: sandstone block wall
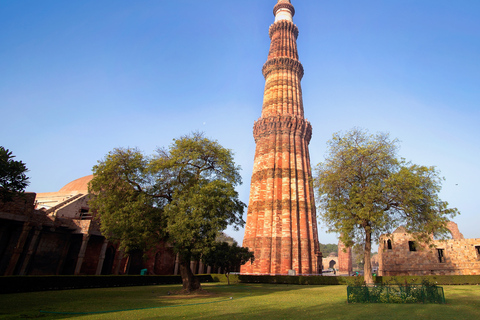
344,259
450,257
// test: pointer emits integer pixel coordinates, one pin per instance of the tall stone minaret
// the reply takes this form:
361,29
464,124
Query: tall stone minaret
281,225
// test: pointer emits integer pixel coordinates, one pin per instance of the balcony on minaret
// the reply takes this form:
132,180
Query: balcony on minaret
284,11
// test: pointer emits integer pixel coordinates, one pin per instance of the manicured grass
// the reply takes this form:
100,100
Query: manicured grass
252,301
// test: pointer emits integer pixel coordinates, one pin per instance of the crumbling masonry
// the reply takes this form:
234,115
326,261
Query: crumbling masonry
399,254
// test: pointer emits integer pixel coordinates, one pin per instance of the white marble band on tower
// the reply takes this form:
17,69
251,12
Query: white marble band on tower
283,14
283,10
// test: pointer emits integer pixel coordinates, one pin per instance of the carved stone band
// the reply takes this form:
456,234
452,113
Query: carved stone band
282,63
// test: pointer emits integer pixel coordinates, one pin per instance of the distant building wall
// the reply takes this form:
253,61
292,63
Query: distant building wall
330,262
399,254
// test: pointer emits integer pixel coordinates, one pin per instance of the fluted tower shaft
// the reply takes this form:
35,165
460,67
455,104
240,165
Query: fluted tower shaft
281,225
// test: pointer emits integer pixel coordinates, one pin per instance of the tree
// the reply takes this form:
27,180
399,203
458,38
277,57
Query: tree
184,195
328,248
13,178
228,257
223,237
358,255
364,190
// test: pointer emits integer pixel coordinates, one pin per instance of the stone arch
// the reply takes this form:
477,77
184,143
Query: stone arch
332,264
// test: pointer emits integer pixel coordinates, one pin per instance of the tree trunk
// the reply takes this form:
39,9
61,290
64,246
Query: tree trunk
367,266
190,282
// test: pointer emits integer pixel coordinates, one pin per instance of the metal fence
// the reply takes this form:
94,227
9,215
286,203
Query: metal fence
395,294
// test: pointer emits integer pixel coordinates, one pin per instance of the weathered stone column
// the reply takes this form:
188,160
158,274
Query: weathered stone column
118,261
31,248
18,249
101,258
193,265
344,259
81,254
177,264
201,267
64,254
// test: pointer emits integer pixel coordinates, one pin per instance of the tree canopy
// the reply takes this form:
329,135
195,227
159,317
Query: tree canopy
184,194
228,257
364,190
328,248
13,178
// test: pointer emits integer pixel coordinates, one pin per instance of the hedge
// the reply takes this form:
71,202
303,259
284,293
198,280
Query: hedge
331,280
438,280
15,284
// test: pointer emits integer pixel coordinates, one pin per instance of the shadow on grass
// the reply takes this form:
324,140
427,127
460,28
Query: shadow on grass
264,301
75,303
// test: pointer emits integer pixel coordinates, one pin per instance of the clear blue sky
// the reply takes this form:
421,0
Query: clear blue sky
79,78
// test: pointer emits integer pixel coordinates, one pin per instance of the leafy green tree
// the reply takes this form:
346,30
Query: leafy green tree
358,255
364,190
184,195
13,178
223,237
228,257
123,202
328,248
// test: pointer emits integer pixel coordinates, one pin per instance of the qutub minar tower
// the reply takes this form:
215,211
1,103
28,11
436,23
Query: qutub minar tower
281,225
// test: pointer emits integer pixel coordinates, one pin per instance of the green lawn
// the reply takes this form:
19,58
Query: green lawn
250,301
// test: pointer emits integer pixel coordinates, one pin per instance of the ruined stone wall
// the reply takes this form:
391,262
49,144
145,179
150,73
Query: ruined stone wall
161,261
344,259
50,241
329,262
402,256
47,256
92,255
22,205
10,232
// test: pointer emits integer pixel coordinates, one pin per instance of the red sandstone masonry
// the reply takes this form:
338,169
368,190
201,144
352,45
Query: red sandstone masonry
344,259
281,220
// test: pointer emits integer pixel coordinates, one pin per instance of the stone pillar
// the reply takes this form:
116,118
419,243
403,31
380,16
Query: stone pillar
344,259
126,268
177,264
18,249
81,254
319,262
201,267
64,254
101,258
118,261
30,251
193,266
